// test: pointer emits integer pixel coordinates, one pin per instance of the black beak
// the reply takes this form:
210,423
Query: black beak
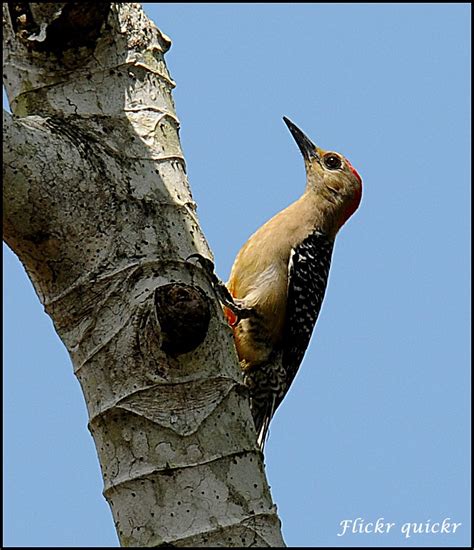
307,147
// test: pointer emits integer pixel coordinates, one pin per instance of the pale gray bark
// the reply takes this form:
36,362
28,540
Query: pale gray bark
98,208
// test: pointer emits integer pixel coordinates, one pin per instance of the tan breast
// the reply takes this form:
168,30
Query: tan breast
259,278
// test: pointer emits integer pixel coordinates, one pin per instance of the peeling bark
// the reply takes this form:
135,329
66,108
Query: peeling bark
98,208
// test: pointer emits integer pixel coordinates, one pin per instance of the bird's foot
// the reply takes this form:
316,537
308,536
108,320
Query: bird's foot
225,297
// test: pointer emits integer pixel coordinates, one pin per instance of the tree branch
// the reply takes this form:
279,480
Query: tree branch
98,208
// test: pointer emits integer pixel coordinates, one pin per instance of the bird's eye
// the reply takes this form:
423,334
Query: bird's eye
332,162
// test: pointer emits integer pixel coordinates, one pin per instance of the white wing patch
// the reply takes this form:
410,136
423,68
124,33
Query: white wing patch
263,284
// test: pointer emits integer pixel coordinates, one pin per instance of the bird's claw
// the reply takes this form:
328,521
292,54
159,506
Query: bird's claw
240,312
206,263
223,294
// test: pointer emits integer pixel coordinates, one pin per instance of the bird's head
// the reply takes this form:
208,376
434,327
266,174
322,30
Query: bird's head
330,176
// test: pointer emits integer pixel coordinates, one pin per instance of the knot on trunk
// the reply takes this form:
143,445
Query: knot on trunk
183,313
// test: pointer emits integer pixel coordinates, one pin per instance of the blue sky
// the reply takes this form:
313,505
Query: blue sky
376,424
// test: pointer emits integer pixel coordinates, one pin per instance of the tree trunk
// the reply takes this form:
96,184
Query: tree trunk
98,208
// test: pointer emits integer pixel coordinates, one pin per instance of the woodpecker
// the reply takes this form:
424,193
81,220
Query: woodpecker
279,277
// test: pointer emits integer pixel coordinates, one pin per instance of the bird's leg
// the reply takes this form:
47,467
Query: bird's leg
223,294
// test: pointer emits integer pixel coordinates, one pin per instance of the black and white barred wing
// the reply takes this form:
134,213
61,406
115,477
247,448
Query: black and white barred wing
308,275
